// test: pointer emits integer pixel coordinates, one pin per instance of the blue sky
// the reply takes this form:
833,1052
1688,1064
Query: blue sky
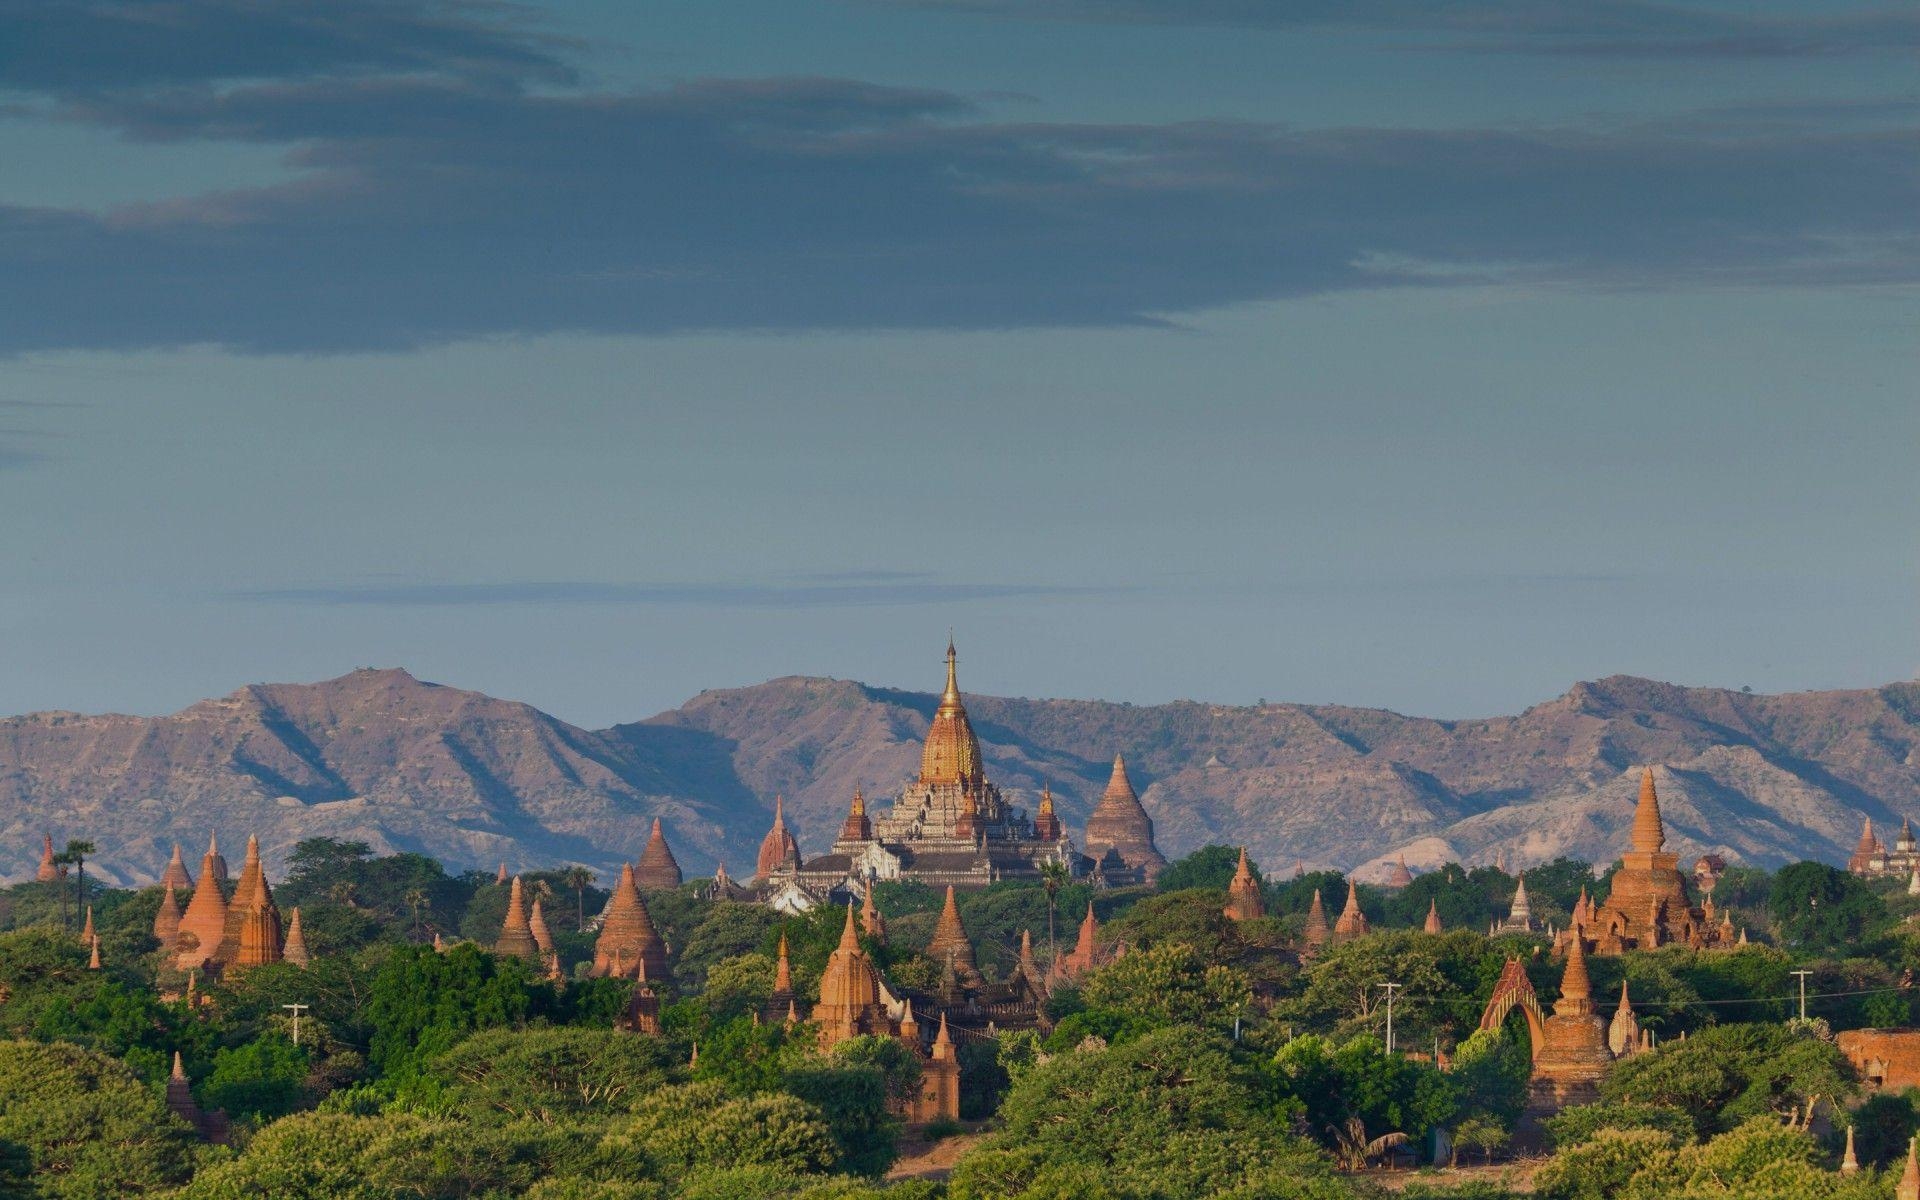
1421,355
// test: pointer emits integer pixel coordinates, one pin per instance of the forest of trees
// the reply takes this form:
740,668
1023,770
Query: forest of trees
1208,1060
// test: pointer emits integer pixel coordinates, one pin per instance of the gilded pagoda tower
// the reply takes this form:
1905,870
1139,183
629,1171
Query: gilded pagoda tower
949,826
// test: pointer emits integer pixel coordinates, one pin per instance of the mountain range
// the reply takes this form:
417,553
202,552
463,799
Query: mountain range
382,757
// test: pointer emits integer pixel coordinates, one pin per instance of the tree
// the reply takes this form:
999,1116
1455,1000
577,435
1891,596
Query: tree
694,1127
577,880
1209,867
264,1078
1824,909
1726,1074
92,1130
1353,1149
1169,984
550,1075
1053,877
1169,1115
76,853
422,1002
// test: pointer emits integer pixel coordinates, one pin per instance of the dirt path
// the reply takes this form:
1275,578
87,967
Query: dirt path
931,1160
1515,1176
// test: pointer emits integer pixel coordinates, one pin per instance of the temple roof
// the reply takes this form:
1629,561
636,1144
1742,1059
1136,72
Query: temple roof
778,848
952,752
950,944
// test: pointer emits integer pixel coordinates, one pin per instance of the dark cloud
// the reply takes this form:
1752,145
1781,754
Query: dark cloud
1601,28
878,593
436,206
65,47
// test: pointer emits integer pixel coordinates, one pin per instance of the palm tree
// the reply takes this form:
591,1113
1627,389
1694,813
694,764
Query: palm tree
578,879
1053,877
342,893
1353,1150
76,853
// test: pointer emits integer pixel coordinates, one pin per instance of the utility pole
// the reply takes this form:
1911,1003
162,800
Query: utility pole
297,1010
1803,991
1391,988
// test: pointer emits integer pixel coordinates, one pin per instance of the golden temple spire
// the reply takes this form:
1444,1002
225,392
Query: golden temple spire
1648,833
951,696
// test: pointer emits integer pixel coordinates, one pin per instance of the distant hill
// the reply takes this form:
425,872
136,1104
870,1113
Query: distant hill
472,780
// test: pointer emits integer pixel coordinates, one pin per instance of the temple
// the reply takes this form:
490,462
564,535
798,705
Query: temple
1243,894
1871,857
855,1001
216,933
1649,905
951,827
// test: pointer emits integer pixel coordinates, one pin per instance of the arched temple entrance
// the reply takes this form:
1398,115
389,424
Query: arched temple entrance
1513,991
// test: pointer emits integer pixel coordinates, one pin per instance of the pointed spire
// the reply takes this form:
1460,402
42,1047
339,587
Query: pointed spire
93,962
1909,1185
1575,983
1027,964
778,849
951,754
871,922
1353,922
1522,911
1623,1033
204,924
1433,916
1119,824
166,918
1244,902
1315,931
86,931
214,863
516,933
49,871
950,944
1849,1162
857,827
1648,833
793,1012
627,935
1401,877
1046,824
659,870
941,1039
176,872
295,950
179,1074
500,876
849,940
537,926
783,970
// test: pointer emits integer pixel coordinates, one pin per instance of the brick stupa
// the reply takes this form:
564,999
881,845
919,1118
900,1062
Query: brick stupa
1573,1054
516,931
251,936
166,918
658,871
204,925
627,937
1120,826
1649,904
295,951
176,872
48,871
1243,894
1353,923
950,946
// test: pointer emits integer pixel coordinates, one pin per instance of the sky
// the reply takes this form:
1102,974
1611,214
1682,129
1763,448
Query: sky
1421,354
